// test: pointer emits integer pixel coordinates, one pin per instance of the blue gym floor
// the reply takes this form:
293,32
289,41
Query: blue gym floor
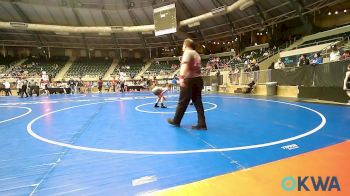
119,144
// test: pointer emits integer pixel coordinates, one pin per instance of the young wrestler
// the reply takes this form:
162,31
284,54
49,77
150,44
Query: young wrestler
159,92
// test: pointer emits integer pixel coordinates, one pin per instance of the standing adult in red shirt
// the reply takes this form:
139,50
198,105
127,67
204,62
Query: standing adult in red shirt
191,85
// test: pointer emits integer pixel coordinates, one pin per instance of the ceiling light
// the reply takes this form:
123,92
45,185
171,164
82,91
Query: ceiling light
104,34
329,13
345,11
219,10
62,33
19,25
336,12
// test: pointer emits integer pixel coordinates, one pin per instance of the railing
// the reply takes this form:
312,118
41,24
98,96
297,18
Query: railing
244,78
319,42
323,75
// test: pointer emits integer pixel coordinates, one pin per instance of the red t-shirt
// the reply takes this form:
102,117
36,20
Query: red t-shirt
192,58
100,82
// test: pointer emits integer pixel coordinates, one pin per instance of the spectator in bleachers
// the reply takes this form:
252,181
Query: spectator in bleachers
303,60
279,64
274,48
317,59
266,53
255,67
247,68
334,55
346,55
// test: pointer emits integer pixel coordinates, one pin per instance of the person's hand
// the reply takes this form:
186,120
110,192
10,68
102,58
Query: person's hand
182,84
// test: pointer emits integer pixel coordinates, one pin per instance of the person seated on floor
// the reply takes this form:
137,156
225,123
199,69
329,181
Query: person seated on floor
249,88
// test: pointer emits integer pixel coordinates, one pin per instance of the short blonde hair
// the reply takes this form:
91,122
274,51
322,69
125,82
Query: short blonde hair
189,43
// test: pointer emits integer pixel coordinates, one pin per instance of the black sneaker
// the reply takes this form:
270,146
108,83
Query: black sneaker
163,106
171,121
197,127
156,106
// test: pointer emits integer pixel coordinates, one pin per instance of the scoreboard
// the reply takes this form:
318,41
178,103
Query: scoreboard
165,20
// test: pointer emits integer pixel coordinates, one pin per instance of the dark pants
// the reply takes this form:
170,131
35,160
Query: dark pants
8,91
72,89
24,91
34,89
192,90
31,89
122,88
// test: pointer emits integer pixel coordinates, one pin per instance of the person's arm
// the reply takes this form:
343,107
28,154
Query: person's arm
183,71
346,79
186,58
282,65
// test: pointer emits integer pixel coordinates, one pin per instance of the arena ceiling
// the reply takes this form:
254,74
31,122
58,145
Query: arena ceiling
262,14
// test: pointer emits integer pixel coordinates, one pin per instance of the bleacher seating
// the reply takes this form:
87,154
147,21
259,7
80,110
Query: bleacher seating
52,66
162,66
7,60
130,67
94,67
324,40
